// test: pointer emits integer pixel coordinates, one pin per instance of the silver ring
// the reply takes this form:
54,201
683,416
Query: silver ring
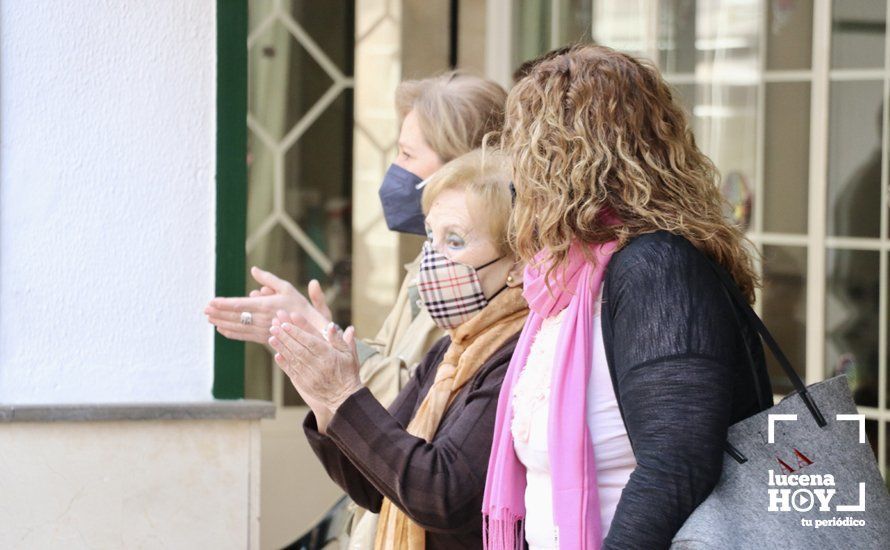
246,318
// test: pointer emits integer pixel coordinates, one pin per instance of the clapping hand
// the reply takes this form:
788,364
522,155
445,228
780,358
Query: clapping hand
249,318
322,365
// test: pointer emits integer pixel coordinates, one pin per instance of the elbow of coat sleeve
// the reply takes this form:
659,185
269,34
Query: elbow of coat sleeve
691,473
339,469
658,498
451,522
452,501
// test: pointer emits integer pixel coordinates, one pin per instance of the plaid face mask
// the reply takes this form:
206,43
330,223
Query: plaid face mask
451,291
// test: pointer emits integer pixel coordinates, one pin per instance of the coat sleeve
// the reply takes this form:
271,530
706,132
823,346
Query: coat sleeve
338,465
673,340
439,485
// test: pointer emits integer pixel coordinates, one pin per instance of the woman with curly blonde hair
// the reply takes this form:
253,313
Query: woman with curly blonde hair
632,366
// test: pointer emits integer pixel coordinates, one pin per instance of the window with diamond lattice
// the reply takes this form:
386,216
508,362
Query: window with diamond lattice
300,62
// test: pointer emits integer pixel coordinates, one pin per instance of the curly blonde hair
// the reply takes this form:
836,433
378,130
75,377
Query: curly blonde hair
595,130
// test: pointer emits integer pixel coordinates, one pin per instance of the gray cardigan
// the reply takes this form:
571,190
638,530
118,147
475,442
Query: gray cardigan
681,377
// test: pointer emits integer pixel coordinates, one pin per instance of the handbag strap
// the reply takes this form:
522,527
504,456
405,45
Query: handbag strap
735,295
762,401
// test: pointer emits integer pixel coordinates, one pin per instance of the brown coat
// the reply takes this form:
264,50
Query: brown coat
440,484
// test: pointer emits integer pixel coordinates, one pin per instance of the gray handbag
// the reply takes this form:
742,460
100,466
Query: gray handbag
799,474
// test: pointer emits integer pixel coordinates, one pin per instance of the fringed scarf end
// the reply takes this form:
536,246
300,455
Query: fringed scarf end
507,533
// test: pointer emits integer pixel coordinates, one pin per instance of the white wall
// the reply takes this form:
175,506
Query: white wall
107,124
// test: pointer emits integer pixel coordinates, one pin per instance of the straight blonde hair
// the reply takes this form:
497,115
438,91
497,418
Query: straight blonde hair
455,110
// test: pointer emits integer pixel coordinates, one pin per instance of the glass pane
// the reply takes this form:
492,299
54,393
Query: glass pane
291,397
789,35
857,33
317,197
319,19
738,192
684,94
260,170
258,369
676,36
575,18
851,317
728,40
871,434
784,310
532,36
725,123
258,13
622,25
284,81
854,159
786,157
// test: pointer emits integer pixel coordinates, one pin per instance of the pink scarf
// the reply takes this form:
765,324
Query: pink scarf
576,510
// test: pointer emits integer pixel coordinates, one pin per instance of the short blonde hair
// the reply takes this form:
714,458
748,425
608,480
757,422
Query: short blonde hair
455,110
485,177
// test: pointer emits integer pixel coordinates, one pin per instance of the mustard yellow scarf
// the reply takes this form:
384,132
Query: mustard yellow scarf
472,343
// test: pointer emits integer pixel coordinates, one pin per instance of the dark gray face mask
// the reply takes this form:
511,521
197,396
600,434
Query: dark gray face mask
400,198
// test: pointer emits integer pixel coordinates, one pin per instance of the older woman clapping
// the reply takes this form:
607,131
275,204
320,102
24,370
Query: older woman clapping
422,464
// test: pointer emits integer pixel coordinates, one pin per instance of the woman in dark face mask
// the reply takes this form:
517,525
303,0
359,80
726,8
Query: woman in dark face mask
441,118
399,192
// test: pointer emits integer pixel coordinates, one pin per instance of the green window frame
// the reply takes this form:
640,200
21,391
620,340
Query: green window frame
231,184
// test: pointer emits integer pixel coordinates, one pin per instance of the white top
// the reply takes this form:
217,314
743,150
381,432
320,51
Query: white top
612,451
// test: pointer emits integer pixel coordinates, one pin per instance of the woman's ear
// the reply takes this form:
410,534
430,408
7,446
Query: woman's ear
514,276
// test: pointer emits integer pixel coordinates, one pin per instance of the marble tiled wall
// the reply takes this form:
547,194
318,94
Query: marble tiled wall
378,69
146,484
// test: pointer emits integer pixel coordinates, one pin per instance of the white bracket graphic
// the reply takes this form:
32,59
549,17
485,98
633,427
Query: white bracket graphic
859,418
854,507
771,431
